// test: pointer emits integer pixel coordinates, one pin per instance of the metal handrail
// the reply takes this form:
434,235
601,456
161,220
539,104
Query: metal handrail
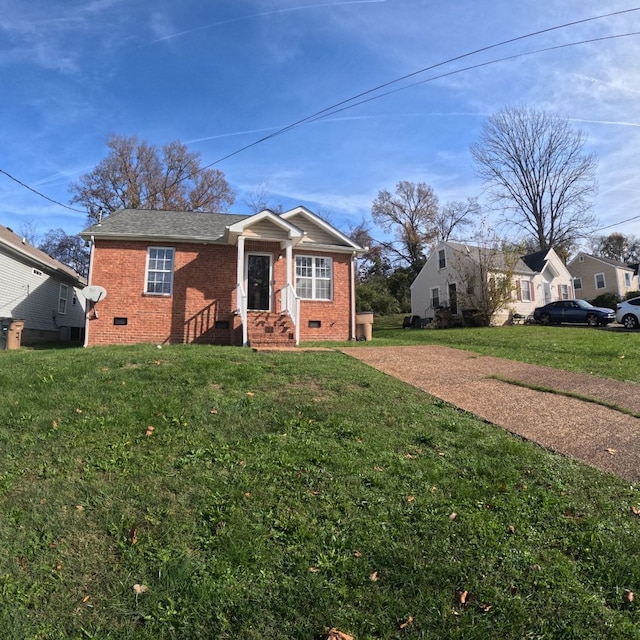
241,301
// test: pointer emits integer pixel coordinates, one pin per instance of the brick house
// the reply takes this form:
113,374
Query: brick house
186,277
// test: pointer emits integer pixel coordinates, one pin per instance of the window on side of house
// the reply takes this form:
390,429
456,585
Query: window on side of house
435,297
600,281
63,296
627,279
314,277
525,290
159,276
577,283
442,259
564,291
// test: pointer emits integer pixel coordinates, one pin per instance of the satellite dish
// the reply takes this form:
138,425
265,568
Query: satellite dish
94,293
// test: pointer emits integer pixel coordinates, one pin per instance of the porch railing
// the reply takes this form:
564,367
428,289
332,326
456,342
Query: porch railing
241,301
290,303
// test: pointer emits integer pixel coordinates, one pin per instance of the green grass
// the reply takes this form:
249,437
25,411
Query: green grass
271,490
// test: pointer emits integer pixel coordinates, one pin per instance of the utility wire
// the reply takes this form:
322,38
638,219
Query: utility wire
344,104
26,186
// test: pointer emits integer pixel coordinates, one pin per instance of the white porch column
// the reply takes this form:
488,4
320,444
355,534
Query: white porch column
289,259
240,265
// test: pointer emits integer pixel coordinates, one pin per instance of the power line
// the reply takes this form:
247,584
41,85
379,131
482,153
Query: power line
26,186
344,104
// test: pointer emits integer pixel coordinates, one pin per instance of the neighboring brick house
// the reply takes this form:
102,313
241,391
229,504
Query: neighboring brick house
593,276
39,290
174,277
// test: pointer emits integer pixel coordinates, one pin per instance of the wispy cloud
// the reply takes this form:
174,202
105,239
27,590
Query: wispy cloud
262,15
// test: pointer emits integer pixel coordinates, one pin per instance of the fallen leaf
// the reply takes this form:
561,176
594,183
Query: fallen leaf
635,511
374,577
611,452
462,597
78,410
358,554
453,516
79,507
149,431
214,412
514,590
628,596
133,536
139,589
54,424
250,394
378,469
410,499
86,599
486,607
408,621
313,570
59,567
247,495
512,529
157,362
335,634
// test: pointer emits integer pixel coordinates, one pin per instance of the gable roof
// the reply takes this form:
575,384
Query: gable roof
21,250
496,258
609,261
199,227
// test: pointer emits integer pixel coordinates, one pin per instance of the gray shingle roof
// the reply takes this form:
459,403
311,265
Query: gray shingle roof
142,223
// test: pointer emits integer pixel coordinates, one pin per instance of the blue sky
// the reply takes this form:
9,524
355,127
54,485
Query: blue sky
221,74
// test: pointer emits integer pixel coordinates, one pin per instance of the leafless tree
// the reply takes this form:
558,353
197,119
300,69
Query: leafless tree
617,246
455,214
259,199
69,250
538,173
410,214
136,175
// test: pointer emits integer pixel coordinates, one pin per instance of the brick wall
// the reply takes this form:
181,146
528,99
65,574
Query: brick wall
203,295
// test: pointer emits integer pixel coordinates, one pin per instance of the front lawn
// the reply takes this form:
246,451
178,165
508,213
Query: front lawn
210,492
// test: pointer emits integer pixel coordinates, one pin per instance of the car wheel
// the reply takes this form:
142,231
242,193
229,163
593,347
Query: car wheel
630,321
545,318
592,320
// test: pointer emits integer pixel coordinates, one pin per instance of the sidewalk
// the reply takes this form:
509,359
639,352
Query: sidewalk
600,436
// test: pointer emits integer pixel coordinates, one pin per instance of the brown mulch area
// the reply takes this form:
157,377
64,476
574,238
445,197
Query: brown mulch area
598,435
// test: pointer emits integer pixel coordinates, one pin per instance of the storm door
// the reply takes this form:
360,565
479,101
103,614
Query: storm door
258,282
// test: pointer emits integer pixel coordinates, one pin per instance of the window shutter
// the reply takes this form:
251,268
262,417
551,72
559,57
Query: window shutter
559,292
531,292
518,291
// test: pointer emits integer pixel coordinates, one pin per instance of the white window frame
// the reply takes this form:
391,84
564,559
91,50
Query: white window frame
63,297
315,279
433,299
442,259
564,291
148,271
604,281
525,290
627,279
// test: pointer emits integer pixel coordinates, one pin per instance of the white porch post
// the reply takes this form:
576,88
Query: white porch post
289,259
240,303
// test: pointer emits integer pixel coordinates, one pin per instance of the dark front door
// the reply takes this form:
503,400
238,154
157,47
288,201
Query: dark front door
259,282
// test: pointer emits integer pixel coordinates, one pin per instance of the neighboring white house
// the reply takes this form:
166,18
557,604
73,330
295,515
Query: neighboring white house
39,290
449,279
593,276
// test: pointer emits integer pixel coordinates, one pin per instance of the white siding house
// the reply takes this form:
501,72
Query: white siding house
450,276
39,290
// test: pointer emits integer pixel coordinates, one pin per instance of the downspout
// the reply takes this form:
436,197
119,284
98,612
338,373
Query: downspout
86,313
353,297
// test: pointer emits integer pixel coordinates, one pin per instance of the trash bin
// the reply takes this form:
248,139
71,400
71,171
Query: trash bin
364,326
4,330
14,334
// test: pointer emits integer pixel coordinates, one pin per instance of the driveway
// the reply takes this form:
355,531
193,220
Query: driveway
500,391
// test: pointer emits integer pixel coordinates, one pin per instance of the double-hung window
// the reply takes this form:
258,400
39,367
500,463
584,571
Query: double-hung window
159,276
525,290
62,299
600,281
314,277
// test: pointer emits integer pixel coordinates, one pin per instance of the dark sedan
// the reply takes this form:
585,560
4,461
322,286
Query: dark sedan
573,312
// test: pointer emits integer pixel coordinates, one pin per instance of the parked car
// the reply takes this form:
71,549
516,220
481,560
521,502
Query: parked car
573,312
628,313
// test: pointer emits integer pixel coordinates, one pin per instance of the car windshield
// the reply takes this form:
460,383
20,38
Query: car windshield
584,304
